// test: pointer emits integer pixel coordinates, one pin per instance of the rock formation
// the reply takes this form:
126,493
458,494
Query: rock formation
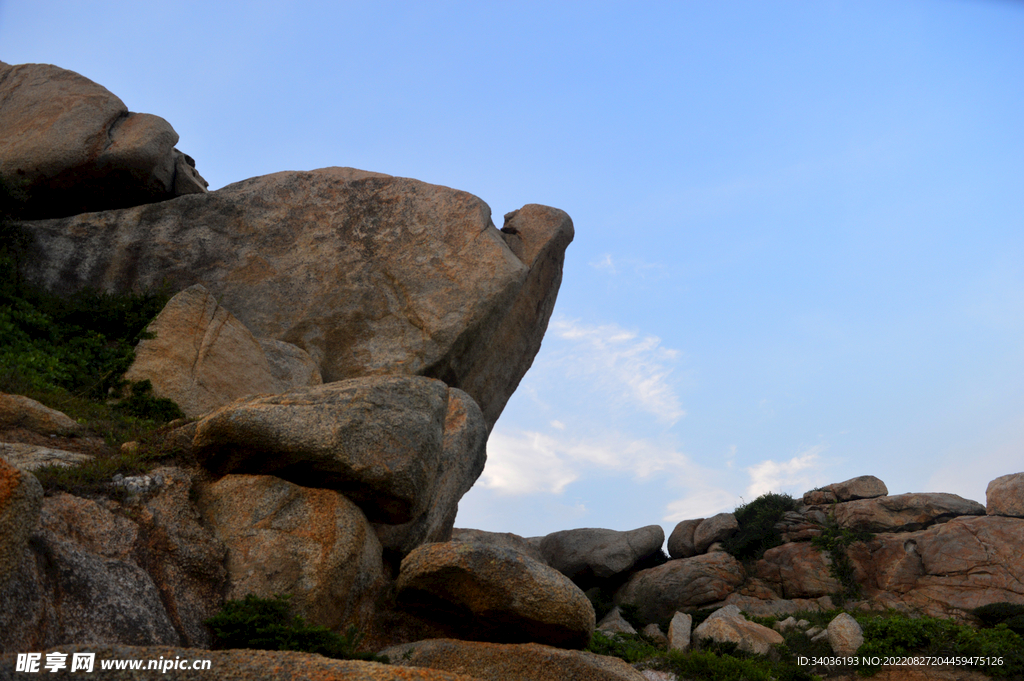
70,146
369,274
202,357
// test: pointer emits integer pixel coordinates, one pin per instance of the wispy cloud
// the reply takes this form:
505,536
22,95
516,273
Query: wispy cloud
799,473
526,462
640,269
605,264
622,362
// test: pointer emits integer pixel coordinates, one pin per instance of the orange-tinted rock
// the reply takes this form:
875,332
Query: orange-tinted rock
284,539
512,662
1005,496
797,570
21,498
957,566
680,542
904,512
265,665
727,625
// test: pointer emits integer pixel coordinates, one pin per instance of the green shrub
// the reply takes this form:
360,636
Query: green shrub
899,635
712,666
141,403
629,647
756,533
834,541
995,613
266,624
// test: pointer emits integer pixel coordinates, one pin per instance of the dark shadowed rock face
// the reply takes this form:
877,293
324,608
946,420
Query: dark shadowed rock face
369,274
71,146
589,555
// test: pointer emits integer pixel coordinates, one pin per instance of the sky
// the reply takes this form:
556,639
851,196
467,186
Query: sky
799,251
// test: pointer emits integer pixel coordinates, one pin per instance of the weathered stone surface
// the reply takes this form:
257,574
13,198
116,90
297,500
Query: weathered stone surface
615,623
904,512
589,554
202,357
949,568
495,594
728,625
30,457
79,583
653,631
72,146
797,570
463,455
369,274
680,542
862,487
281,538
503,539
512,662
18,411
1005,496
797,526
845,635
21,498
266,665
290,365
378,440
684,583
182,556
777,607
679,630
715,529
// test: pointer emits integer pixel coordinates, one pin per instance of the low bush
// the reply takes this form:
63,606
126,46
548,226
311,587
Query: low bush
267,624
756,533
834,541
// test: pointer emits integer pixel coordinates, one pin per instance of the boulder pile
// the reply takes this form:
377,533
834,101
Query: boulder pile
342,343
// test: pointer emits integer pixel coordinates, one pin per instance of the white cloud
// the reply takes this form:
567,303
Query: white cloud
557,424
701,502
605,264
623,364
799,473
527,462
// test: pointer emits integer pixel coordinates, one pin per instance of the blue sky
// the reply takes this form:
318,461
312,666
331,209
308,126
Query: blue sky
799,252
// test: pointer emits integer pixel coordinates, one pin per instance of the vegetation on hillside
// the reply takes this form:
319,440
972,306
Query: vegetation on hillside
70,353
268,624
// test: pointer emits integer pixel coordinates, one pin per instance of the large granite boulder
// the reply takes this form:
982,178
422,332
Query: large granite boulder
953,567
80,583
512,662
680,542
18,411
463,454
660,591
381,441
369,274
904,512
202,357
21,498
71,146
30,457
284,539
1005,496
503,539
714,529
266,665
484,592
728,625
590,555
861,487
845,634
797,570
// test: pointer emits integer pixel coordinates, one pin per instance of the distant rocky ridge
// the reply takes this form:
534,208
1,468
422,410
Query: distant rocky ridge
343,343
